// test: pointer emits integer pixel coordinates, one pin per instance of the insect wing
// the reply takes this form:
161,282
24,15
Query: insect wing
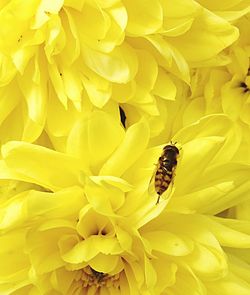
168,192
151,186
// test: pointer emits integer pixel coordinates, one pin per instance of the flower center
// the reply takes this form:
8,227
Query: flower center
244,86
91,277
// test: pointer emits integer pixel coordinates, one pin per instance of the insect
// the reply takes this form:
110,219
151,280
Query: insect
165,169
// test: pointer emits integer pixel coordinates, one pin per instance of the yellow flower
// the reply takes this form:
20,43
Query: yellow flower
224,90
90,93
239,83
92,225
188,248
66,55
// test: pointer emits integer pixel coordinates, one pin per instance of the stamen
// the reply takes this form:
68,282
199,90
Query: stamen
90,277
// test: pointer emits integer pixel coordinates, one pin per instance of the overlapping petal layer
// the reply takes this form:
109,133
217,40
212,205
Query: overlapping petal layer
54,60
104,232
90,93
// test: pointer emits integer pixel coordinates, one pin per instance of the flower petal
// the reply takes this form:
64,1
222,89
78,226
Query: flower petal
118,66
87,249
105,263
148,21
197,154
40,165
207,262
169,243
208,36
128,152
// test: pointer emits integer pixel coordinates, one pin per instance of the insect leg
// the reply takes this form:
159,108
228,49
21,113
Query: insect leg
158,199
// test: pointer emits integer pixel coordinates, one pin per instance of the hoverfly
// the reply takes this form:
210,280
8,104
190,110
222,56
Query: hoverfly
165,169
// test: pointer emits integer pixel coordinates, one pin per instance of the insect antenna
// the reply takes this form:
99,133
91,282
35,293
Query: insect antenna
173,143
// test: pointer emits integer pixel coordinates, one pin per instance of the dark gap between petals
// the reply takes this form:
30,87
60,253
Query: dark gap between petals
122,117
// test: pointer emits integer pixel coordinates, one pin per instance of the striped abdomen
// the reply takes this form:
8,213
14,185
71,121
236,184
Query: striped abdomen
163,178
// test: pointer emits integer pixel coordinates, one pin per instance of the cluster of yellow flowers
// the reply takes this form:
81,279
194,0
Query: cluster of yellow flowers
90,93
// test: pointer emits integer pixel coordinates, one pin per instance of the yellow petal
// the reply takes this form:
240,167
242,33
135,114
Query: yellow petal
57,83
150,274
123,92
180,9
208,36
33,87
195,161
87,249
225,187
164,86
128,152
169,243
213,125
166,273
72,84
239,267
7,105
76,4
55,39
229,236
187,282
71,51
52,7
175,62
105,263
61,280
60,120
61,204
98,136
175,27
231,284
232,100
45,256
7,70
105,199
13,14
97,223
147,70
207,262
118,66
99,91
12,211
41,165
14,261
148,21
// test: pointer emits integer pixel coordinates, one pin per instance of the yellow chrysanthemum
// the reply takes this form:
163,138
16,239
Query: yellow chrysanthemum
64,54
224,90
78,233
90,93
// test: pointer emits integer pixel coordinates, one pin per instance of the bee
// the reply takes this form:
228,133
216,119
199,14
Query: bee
165,169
